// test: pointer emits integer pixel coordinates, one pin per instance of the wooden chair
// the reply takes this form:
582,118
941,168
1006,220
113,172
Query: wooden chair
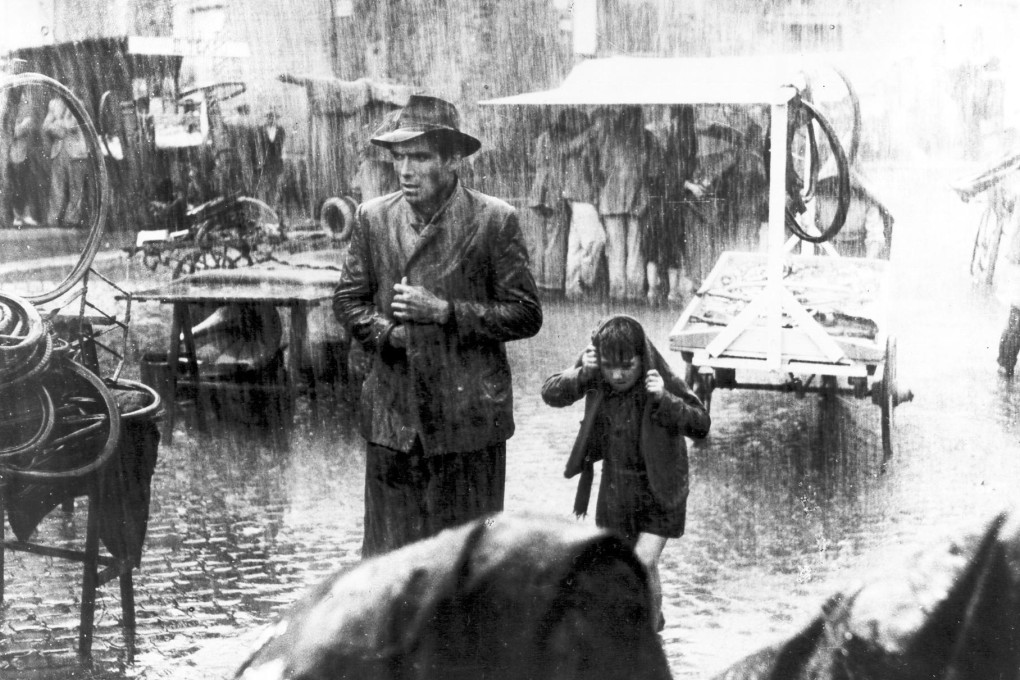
85,480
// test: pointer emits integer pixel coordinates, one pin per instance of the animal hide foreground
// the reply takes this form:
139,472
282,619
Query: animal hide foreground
952,613
498,598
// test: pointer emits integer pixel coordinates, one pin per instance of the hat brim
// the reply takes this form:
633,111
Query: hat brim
468,144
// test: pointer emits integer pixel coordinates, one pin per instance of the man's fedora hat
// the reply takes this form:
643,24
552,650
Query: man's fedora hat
425,115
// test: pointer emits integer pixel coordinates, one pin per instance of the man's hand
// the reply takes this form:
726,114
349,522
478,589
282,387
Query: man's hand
398,337
589,361
654,384
415,303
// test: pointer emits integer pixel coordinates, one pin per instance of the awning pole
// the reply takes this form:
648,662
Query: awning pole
777,231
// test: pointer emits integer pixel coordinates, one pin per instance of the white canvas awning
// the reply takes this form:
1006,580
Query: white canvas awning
693,80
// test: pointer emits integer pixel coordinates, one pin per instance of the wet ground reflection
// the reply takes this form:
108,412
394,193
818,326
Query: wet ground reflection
788,501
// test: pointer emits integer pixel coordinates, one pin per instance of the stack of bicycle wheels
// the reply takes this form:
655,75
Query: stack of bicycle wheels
56,417
59,420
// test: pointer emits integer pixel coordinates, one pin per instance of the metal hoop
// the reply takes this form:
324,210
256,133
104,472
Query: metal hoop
98,166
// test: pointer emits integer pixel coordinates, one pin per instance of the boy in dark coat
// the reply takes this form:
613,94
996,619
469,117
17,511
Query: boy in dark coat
637,413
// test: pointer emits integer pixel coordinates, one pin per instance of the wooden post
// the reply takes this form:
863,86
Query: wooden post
777,227
90,570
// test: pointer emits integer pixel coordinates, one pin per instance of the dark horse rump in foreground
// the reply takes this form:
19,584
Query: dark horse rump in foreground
952,613
497,598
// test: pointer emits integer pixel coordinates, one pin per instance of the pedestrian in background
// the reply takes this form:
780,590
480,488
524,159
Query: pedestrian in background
68,170
666,245
434,281
1008,285
867,231
26,191
269,152
564,194
375,175
636,415
631,171
8,114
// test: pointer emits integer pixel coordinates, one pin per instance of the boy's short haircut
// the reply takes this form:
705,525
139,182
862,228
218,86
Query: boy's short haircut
619,339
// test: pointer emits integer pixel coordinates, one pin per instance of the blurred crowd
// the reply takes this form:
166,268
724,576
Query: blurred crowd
637,203
46,163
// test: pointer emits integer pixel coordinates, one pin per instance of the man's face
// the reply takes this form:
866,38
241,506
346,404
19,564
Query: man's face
425,176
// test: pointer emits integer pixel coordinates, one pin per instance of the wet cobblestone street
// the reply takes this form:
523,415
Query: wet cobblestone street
788,502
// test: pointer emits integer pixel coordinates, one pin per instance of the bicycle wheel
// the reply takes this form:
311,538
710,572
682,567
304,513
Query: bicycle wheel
96,169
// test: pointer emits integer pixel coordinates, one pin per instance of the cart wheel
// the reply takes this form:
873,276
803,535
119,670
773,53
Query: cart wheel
225,257
888,400
207,258
225,245
259,218
263,229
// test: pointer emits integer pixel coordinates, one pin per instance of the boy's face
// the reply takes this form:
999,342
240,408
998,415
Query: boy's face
622,373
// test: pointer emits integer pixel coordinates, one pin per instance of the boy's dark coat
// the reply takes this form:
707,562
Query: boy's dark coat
663,447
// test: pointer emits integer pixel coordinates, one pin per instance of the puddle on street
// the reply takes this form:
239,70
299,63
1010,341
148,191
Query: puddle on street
788,500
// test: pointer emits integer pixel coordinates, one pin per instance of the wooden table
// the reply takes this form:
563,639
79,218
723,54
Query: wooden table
295,289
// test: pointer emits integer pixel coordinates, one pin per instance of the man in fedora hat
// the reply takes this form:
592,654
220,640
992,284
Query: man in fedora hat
434,281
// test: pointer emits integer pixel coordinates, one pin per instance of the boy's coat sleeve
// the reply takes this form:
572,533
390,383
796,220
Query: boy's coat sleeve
564,388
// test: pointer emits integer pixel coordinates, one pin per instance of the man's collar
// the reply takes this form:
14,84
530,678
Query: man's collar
442,209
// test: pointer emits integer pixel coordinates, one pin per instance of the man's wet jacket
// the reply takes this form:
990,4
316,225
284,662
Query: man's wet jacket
452,385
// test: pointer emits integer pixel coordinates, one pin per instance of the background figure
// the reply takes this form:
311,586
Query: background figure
666,242
564,194
1008,287
23,164
375,175
745,187
68,158
586,247
632,169
238,158
867,231
269,150
8,112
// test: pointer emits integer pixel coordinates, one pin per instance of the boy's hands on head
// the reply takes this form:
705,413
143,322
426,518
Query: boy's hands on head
589,361
654,384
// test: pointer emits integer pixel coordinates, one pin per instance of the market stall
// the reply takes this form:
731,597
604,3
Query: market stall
813,322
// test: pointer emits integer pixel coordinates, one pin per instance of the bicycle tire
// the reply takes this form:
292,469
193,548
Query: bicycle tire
149,410
112,435
37,440
26,312
97,165
842,172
